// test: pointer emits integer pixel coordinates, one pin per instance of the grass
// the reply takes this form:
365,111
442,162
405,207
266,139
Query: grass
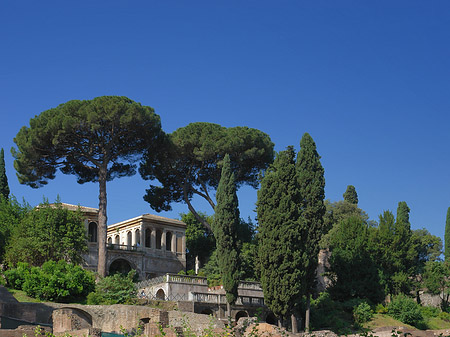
382,320
21,296
436,323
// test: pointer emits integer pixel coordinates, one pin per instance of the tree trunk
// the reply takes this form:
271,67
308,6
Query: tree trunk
102,251
294,323
308,310
280,322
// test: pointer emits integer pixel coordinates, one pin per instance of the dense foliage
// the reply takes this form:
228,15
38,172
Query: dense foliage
311,180
53,281
48,232
11,215
226,222
350,195
199,242
406,310
115,289
350,253
447,236
280,236
192,165
96,140
4,187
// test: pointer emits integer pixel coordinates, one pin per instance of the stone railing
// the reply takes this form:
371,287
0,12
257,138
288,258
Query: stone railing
250,285
207,297
151,282
176,278
116,246
218,298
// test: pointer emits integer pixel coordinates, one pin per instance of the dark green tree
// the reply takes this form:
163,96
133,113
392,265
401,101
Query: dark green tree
350,195
311,182
49,232
193,164
4,188
427,248
394,251
199,242
11,214
338,211
349,252
97,140
226,221
447,236
280,240
437,282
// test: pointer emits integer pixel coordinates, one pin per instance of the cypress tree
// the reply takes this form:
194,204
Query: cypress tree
312,190
447,236
226,221
350,195
4,188
279,237
402,251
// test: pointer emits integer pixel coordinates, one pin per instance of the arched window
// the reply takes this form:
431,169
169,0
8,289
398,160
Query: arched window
158,238
117,239
169,241
110,240
148,237
92,232
137,237
129,238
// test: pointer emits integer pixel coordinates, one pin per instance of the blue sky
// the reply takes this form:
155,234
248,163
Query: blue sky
370,81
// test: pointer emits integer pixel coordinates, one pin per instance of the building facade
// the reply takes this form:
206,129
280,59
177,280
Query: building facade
150,244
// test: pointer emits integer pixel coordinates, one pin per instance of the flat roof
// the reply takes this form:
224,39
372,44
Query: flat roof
151,218
71,207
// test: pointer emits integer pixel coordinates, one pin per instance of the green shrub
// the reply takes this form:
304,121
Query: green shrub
350,304
362,313
115,289
429,312
445,316
406,310
381,309
58,281
326,313
15,277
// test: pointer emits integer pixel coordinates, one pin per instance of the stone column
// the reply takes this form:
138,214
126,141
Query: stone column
173,248
183,246
133,237
142,232
163,241
153,239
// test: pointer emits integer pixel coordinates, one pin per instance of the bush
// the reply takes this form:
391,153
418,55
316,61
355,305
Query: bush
58,281
15,277
429,312
362,313
406,310
326,313
445,316
115,289
381,309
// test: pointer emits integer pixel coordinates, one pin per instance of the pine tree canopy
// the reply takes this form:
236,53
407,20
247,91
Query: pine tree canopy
96,140
193,163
